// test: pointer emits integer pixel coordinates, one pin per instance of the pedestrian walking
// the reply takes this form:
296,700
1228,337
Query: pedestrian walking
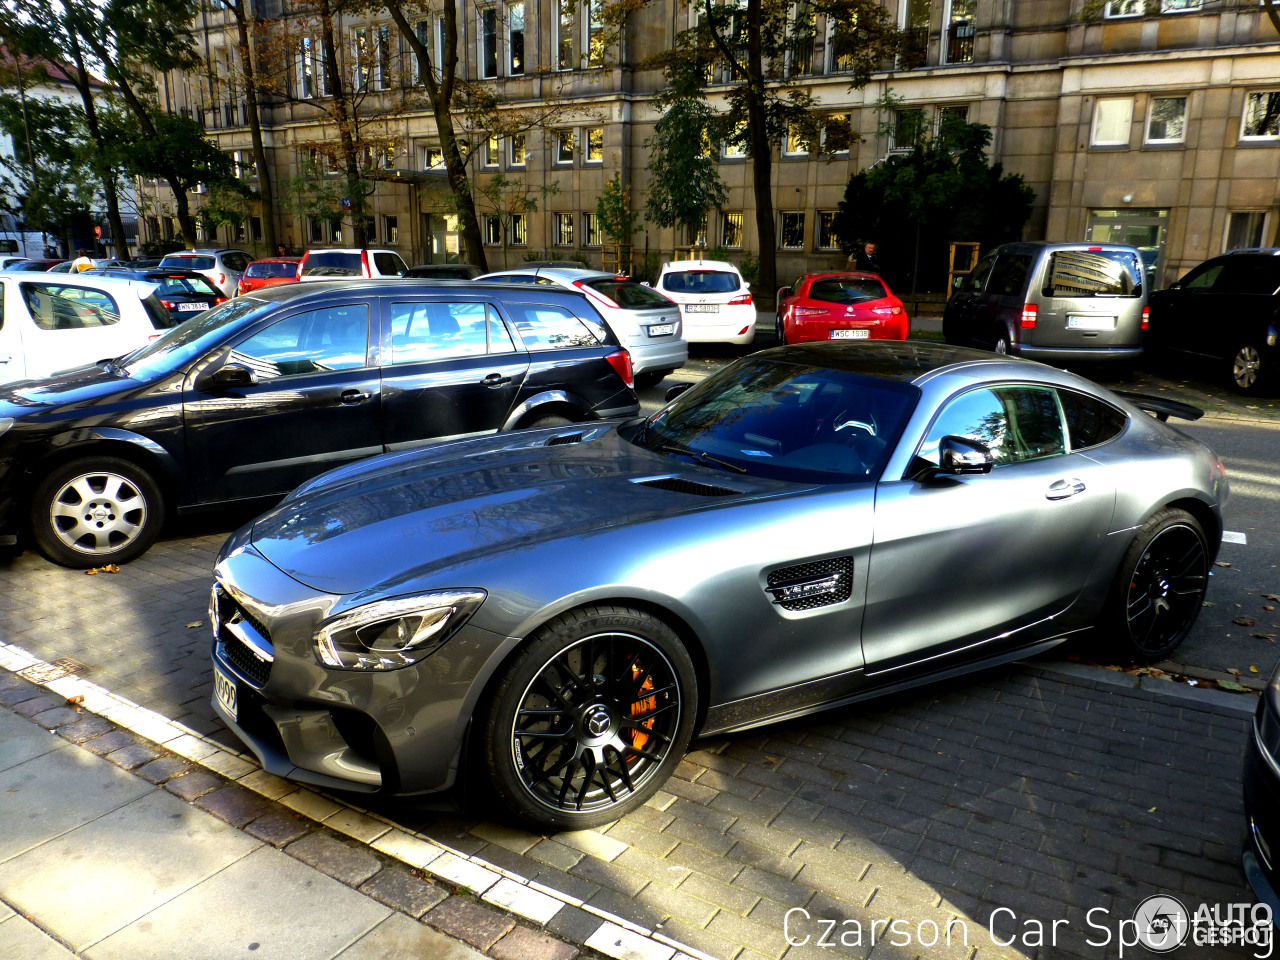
82,261
868,258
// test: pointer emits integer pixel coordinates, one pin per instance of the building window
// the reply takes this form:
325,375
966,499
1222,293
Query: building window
564,35
796,145
1245,229
516,147
306,69
489,155
382,77
792,235
515,39
1261,116
562,226
590,230
802,31
734,148
493,230
1167,120
595,144
961,31
907,130
951,116
361,59
255,229
826,236
1125,8
1179,6
1111,120
488,42
519,229
564,146
731,230
390,230
423,29
315,230
837,133
595,33
432,158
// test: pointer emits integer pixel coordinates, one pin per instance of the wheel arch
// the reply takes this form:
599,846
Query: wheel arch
141,451
549,403
1207,519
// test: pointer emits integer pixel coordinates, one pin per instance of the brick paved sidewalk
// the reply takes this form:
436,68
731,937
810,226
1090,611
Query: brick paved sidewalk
1048,790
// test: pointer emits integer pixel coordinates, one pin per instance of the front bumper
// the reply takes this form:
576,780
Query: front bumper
1262,810
394,732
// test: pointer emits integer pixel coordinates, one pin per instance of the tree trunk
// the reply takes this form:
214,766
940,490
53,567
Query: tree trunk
105,174
266,192
186,222
344,116
761,153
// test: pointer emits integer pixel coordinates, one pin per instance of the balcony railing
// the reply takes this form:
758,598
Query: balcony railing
960,42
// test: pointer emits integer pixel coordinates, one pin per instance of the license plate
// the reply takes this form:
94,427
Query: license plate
662,329
224,692
702,308
191,307
1091,323
850,334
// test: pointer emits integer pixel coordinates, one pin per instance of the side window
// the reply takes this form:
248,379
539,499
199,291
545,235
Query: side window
1203,277
1015,422
440,331
389,265
1089,421
58,307
332,338
977,277
236,261
1247,275
1010,275
544,327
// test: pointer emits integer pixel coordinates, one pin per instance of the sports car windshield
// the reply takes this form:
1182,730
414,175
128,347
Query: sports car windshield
786,421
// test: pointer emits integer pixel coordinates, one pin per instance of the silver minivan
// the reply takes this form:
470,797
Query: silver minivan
1056,302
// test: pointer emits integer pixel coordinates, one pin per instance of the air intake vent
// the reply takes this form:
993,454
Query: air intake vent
809,585
680,485
565,438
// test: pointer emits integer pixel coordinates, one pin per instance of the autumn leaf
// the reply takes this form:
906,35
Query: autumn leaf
1253,669
1271,596
91,572
1233,671
78,698
1245,621
110,568
195,623
1268,607
1221,563
1231,685
1263,636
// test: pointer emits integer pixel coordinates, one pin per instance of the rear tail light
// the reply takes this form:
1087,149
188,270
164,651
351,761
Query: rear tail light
219,300
364,263
596,293
1029,312
744,299
886,311
620,360
1146,317
808,311
169,304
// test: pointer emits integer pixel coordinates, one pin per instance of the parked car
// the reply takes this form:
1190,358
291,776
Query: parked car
222,268
356,264
839,306
1262,799
1238,294
66,266
714,300
141,263
52,323
184,293
268,273
1056,302
811,526
7,262
259,394
443,271
32,266
644,321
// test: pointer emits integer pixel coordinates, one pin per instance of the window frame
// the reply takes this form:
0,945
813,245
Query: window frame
512,142
726,217
828,216
1245,113
561,229
487,42
1094,141
589,137
1146,127
511,32
591,235
782,229
518,229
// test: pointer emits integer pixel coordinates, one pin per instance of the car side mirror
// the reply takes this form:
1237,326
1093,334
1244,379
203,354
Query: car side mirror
232,375
960,455
676,389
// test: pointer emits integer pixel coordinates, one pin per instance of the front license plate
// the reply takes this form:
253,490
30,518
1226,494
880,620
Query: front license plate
662,329
850,334
702,308
224,692
1091,323
192,307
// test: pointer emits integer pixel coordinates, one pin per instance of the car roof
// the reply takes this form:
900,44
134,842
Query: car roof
679,266
317,289
556,273
275,260
907,360
350,250
842,273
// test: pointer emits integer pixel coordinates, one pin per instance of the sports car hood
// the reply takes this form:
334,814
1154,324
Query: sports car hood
399,516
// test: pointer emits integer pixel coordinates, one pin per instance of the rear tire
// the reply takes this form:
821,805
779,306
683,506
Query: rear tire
1249,373
1003,345
91,512
549,421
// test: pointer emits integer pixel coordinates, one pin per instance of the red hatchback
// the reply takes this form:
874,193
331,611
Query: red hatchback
268,273
840,306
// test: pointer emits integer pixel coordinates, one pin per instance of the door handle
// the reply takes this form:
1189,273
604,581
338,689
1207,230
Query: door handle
1062,489
352,396
495,380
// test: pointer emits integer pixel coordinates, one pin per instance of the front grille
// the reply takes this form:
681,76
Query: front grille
227,613
681,485
564,438
245,660
837,570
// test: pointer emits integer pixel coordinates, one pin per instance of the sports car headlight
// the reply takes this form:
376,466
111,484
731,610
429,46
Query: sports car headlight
390,634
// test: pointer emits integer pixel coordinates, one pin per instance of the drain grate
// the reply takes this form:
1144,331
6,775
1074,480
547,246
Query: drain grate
53,670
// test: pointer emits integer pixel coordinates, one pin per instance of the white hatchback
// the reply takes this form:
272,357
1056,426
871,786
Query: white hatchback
714,300
54,323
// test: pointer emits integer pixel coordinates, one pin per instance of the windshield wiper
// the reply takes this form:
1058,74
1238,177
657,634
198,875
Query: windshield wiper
701,457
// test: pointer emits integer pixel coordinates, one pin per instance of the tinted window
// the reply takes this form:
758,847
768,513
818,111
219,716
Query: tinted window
847,290
176,285
544,327
159,314
1249,275
236,261
701,281
1093,273
332,338
271,269
628,294
1009,277
435,331
1089,421
329,264
389,265
1204,276
193,337
976,277
54,306
1015,422
190,263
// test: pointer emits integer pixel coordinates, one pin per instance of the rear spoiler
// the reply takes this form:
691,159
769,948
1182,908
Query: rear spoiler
1161,408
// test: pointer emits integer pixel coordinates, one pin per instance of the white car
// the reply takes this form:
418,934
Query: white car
56,323
644,321
8,261
714,299
350,264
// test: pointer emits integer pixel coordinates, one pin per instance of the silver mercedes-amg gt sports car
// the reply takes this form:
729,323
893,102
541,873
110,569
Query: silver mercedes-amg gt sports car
560,611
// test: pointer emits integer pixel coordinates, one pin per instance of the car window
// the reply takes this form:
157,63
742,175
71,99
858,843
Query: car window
1203,277
847,289
235,261
977,277
628,294
56,306
1015,422
389,265
190,263
326,263
1256,275
269,268
171,285
1089,420
1094,273
701,281
438,331
1009,276
331,338
159,314
544,327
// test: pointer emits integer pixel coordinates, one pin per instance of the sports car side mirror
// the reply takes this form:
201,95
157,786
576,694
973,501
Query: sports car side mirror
231,375
960,455
675,390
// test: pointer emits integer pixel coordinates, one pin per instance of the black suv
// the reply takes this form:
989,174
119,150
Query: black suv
261,393
1228,308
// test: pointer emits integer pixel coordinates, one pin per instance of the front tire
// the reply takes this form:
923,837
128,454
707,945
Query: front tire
1159,588
1249,373
88,513
587,721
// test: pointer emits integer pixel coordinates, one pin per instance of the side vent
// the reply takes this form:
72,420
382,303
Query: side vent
561,438
680,485
808,585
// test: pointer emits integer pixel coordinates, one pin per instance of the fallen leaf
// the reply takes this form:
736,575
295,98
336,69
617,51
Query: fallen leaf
1152,810
1245,621
200,623
1206,604
1221,563
1263,636
1231,685
770,759
1233,671
78,698
1253,669
1271,596
110,568
91,572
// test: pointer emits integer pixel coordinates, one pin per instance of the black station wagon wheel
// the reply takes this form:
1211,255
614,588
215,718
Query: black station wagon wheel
1160,586
589,720
1248,372
90,512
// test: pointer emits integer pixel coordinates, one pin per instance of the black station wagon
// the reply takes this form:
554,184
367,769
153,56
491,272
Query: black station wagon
264,392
